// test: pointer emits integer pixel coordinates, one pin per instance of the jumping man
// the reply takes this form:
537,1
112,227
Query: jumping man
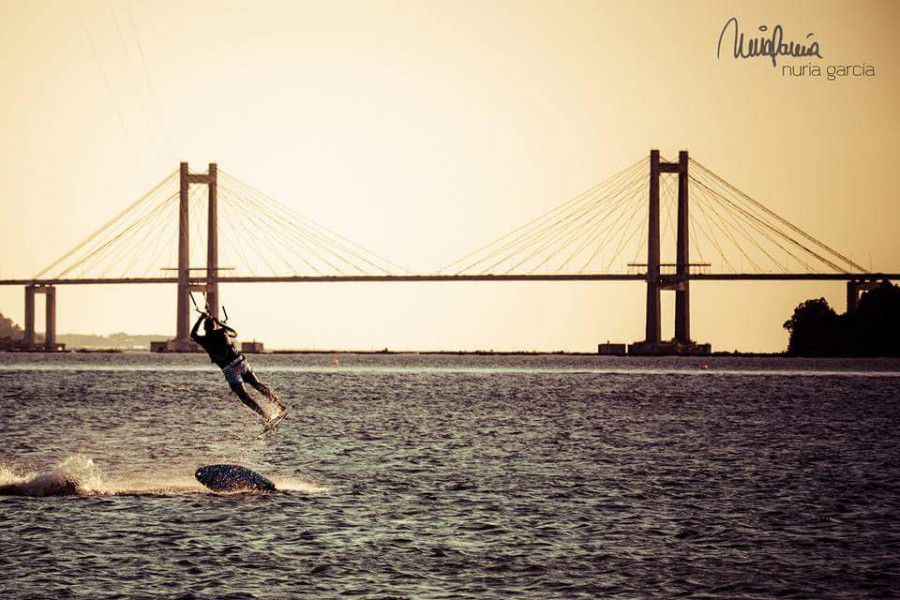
237,370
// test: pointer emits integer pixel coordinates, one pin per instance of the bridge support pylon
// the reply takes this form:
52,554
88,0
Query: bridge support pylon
30,339
855,288
208,283
656,280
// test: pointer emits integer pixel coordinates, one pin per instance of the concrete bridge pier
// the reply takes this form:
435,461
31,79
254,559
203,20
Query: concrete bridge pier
49,293
855,289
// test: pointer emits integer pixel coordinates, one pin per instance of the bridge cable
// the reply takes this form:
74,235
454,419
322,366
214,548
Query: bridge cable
168,245
627,237
592,230
642,237
747,222
631,198
232,236
770,227
727,229
307,238
113,239
777,217
108,224
558,234
272,235
272,231
618,201
591,226
259,243
321,233
550,233
606,205
152,230
694,240
707,231
541,219
283,235
542,226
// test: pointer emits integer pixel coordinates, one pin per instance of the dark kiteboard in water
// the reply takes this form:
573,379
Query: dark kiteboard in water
233,478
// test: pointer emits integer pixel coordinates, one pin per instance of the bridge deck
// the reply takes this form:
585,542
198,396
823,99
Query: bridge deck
415,278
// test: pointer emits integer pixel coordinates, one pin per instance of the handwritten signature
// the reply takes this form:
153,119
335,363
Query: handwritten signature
773,46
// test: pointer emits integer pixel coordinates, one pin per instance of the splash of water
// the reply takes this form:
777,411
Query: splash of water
299,485
78,475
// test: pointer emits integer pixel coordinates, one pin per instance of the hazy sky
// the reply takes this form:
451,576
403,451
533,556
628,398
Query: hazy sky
423,130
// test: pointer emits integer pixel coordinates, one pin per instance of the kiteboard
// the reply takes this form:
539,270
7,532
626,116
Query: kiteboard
233,478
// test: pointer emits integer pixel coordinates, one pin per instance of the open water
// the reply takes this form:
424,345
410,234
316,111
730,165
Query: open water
454,477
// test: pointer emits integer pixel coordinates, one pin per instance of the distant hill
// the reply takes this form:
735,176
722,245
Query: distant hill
121,340
11,334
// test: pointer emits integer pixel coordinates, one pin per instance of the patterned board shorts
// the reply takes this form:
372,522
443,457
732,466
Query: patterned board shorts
236,370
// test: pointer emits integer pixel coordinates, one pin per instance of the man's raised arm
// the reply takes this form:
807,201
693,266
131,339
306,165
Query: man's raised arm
194,335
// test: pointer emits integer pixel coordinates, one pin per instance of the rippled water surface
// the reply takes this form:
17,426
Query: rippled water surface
454,477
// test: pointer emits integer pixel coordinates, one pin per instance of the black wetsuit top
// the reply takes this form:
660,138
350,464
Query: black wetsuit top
216,343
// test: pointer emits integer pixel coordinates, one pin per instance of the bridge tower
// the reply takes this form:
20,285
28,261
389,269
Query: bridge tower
49,293
657,281
208,282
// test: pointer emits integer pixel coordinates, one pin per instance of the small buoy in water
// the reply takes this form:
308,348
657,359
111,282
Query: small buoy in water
335,362
704,366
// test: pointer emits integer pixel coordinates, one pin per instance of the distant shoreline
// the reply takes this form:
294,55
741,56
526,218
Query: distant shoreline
289,351
699,359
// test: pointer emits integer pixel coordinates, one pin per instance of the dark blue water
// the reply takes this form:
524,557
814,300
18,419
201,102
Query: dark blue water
454,477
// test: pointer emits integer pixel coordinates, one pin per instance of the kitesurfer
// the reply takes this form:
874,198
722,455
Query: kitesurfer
235,367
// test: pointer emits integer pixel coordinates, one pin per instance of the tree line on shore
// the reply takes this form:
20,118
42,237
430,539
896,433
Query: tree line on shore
10,333
873,329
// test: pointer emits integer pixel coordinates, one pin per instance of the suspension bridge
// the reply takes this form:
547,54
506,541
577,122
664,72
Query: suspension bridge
661,222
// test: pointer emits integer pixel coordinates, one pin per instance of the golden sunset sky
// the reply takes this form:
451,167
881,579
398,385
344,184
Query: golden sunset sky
424,130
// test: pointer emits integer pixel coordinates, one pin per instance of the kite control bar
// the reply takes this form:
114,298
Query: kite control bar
206,309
